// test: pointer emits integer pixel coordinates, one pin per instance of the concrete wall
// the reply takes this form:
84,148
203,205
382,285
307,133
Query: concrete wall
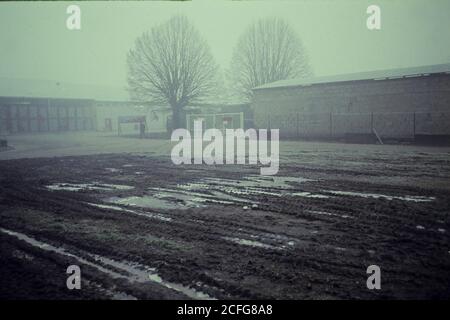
395,108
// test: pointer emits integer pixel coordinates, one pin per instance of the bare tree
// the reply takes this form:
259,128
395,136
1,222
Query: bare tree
269,50
171,64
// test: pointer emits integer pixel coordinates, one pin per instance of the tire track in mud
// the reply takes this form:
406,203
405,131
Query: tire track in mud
131,271
330,252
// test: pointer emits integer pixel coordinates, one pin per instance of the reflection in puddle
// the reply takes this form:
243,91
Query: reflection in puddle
135,272
381,196
88,186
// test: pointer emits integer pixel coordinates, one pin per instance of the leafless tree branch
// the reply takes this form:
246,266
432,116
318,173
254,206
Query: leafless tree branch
172,64
269,50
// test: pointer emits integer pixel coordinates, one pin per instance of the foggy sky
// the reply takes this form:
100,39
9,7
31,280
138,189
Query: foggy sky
35,43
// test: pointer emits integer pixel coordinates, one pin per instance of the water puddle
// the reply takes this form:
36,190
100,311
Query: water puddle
263,240
208,191
259,182
141,273
136,272
310,195
147,202
381,196
105,206
216,190
251,243
88,186
344,216
195,194
144,214
165,198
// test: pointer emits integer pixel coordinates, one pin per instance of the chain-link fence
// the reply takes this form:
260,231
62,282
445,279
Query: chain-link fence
335,125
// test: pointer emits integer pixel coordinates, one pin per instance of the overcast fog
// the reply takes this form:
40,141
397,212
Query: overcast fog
37,44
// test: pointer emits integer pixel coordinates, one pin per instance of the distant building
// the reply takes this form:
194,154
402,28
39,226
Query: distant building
28,105
219,115
399,103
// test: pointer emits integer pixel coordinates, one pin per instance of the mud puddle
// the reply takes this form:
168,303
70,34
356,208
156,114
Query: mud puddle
206,191
323,213
310,195
213,191
135,271
88,186
258,182
251,243
381,196
263,240
144,214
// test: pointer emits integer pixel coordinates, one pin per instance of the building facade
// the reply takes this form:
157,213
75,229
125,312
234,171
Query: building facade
32,106
399,103
22,115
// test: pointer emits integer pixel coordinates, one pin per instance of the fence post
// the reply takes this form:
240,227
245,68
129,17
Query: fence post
241,116
58,126
48,114
371,122
331,124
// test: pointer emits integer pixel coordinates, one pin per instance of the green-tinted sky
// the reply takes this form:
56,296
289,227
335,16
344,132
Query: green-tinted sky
34,41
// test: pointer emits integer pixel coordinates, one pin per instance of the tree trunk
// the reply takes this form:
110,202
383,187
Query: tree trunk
176,118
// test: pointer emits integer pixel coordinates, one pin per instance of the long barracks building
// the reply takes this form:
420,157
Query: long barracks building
398,103
30,106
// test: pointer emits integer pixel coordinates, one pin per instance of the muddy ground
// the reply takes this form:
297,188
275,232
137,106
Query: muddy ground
141,228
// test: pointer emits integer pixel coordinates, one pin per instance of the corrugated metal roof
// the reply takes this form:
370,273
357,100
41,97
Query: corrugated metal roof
15,87
369,75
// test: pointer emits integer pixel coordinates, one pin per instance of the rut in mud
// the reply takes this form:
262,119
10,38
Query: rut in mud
140,227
